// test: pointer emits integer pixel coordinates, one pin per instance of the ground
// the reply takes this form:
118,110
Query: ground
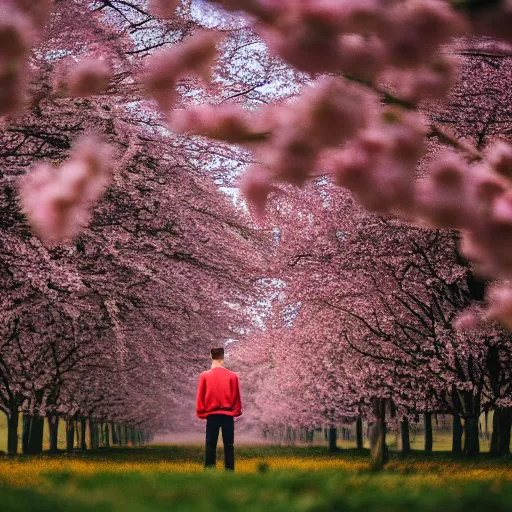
266,478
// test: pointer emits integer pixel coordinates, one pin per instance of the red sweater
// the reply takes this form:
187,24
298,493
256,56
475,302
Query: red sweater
218,392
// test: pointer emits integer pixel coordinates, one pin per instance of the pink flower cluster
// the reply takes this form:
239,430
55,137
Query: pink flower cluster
486,211
20,21
362,38
394,47
376,165
300,133
194,56
230,123
499,299
88,77
57,201
163,8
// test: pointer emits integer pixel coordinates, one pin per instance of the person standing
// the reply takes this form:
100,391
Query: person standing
219,401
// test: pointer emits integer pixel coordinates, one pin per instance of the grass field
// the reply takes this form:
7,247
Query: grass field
266,478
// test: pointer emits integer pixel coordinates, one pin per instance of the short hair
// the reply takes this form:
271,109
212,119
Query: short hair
217,353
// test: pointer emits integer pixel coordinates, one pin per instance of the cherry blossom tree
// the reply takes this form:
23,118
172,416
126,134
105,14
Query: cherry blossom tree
376,302
160,243
109,326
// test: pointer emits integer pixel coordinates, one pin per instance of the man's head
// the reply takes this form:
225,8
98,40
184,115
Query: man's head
217,354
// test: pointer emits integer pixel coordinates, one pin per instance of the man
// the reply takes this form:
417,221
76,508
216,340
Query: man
219,402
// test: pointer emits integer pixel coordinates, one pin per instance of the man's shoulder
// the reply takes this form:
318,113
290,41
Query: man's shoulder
232,374
229,372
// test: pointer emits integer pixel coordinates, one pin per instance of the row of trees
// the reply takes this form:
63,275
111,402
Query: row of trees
380,316
114,326
371,320
80,434
358,433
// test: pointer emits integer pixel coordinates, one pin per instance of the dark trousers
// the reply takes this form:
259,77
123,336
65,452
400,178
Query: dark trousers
213,423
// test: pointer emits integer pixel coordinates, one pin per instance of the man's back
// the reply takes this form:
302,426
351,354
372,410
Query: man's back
218,392
218,402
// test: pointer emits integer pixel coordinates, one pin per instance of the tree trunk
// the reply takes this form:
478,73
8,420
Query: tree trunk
106,434
505,425
495,436
33,427
93,435
96,435
36,435
427,421
379,450
471,439
500,439
76,427
115,439
25,434
456,436
70,436
332,439
12,431
83,436
53,427
406,440
359,432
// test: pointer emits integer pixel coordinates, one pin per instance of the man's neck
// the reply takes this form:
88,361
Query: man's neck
216,363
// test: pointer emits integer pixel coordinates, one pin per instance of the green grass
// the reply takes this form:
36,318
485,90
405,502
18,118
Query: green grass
267,478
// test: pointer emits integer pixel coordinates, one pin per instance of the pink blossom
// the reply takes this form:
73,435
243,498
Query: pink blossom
502,208
441,197
499,157
314,52
37,11
349,168
420,27
229,122
15,36
163,8
290,156
356,16
360,56
332,111
165,66
256,186
432,80
468,320
499,299
88,77
57,201
485,187
11,91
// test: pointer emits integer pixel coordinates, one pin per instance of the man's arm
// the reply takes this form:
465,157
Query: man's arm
201,390
238,398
